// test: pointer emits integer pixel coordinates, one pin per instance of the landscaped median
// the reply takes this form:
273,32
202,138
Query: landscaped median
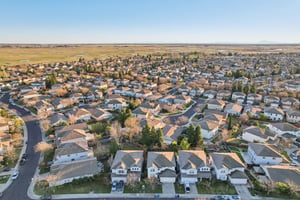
96,184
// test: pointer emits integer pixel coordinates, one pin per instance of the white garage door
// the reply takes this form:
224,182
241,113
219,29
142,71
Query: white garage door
167,179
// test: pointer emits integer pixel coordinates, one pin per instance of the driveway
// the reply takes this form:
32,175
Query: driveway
168,188
243,191
193,188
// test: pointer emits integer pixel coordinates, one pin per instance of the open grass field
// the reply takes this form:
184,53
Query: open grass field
30,54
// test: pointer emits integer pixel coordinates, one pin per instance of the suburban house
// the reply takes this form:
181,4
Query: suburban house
293,116
193,165
116,104
238,95
275,114
171,133
289,102
223,95
127,166
72,135
264,154
209,128
253,98
62,173
215,104
283,174
152,107
59,103
210,94
228,166
79,114
99,114
181,99
57,119
253,111
257,134
271,100
67,152
141,113
162,165
233,109
283,128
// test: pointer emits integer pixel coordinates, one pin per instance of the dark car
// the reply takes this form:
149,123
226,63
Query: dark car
25,156
120,186
6,169
22,161
46,197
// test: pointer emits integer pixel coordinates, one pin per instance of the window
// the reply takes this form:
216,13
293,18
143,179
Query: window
152,170
121,171
222,171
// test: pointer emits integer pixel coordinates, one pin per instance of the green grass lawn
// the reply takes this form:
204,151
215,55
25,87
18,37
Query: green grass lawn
179,188
275,194
48,157
216,187
148,188
97,184
4,179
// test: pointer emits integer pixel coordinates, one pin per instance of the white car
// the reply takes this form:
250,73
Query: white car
15,175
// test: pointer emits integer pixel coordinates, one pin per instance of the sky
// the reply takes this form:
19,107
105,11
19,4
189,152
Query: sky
149,21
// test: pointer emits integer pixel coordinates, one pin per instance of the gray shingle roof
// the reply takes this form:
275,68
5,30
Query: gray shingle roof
226,160
128,158
266,150
189,159
161,159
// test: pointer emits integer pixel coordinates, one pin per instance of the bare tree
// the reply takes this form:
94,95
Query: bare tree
132,180
43,147
115,131
133,125
244,118
45,124
72,119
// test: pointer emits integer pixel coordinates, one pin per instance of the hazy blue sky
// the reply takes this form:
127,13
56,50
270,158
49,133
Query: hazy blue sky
159,21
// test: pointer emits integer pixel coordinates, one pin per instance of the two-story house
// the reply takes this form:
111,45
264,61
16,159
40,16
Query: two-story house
275,114
193,165
67,152
293,116
264,154
257,134
215,104
162,165
233,109
228,166
284,128
127,166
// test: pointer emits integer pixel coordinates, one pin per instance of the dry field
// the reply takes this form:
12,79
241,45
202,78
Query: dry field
29,54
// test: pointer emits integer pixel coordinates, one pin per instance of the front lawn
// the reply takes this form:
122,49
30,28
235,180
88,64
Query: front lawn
97,184
4,179
215,187
143,187
48,157
179,188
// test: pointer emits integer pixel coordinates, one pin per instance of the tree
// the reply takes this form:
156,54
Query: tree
253,88
184,144
247,88
230,123
235,86
244,118
198,141
43,147
114,147
283,188
159,137
115,131
123,115
133,126
190,133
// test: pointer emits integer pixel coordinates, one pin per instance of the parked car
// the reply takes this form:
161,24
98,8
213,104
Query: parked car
22,161
46,197
120,186
15,175
25,156
114,186
6,169
187,188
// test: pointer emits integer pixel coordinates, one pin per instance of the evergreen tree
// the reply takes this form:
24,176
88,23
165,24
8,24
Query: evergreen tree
184,144
198,137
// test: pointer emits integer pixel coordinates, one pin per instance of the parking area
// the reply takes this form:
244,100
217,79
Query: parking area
243,191
168,188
